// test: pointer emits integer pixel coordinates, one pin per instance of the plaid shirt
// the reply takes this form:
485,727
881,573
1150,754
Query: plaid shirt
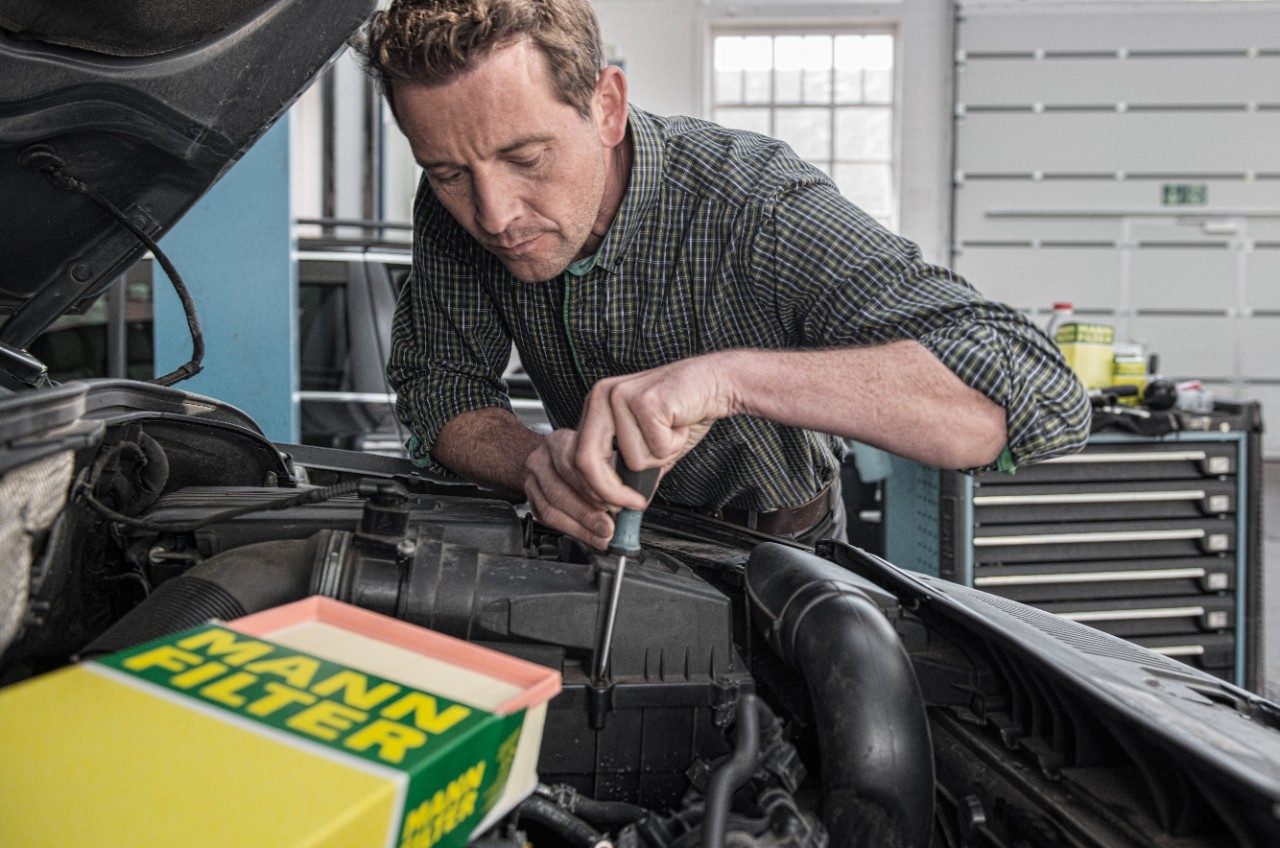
724,239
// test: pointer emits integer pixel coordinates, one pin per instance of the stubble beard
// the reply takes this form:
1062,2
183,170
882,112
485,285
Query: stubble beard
564,251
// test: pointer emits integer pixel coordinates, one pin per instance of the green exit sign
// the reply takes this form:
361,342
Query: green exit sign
1185,194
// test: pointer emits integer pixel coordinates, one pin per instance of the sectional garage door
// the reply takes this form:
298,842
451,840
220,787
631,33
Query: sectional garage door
1126,157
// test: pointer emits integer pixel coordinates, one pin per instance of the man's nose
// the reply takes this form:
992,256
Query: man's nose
496,205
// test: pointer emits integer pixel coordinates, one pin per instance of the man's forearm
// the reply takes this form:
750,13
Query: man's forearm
898,397
488,447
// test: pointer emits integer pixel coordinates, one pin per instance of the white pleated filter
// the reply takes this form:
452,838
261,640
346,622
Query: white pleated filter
30,498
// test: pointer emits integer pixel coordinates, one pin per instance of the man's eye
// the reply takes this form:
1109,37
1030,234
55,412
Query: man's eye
451,178
528,161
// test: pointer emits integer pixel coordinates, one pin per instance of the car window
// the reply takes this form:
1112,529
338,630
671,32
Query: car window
323,342
76,346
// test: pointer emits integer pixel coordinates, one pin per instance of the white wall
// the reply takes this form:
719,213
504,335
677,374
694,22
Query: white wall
660,46
1075,118
664,45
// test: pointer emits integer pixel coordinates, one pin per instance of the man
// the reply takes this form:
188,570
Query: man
698,296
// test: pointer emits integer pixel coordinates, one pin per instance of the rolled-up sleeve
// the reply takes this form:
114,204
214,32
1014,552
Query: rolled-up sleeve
449,349
836,278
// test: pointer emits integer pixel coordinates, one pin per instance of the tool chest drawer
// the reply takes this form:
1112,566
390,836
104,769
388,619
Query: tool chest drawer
1152,539
1032,583
1102,500
1088,540
1128,461
1211,652
1129,617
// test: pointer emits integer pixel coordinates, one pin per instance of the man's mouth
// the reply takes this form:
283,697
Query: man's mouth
520,248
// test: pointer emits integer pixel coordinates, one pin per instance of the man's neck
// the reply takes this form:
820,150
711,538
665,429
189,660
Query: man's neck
617,178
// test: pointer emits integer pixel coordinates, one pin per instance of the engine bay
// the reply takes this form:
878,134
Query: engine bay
756,693
649,737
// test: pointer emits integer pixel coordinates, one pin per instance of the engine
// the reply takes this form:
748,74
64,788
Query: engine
670,737
473,569
755,694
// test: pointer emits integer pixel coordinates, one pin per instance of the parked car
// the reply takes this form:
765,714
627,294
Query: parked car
347,292
755,694
347,289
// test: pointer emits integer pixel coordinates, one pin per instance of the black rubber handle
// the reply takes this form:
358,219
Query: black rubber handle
626,526
643,482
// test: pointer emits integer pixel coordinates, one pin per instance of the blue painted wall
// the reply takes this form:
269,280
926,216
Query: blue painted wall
234,249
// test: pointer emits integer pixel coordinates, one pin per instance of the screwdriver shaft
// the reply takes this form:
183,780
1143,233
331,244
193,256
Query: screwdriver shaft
605,644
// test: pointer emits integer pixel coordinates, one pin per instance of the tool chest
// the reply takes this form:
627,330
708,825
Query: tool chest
1151,539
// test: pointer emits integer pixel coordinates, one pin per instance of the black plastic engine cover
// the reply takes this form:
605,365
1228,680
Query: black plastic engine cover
489,525
459,568
675,675
669,621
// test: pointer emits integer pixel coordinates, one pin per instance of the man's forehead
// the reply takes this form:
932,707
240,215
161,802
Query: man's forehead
504,100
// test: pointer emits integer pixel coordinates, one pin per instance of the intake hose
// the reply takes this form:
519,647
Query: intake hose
603,814
734,773
572,830
869,714
225,586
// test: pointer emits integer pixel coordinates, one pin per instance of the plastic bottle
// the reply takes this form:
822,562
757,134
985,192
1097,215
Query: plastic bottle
1129,368
1062,313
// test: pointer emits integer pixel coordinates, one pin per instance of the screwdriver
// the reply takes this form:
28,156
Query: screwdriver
625,543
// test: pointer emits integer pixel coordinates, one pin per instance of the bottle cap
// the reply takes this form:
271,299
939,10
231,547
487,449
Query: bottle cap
1061,304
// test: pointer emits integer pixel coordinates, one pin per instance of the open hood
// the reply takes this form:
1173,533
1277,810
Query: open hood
146,104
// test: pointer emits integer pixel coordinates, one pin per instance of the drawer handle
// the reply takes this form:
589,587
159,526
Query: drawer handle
1133,614
1088,498
1107,536
1095,577
1180,650
1149,456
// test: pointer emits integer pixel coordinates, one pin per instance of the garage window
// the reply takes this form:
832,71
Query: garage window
828,95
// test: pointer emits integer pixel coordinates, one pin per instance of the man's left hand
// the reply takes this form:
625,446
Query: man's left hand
656,417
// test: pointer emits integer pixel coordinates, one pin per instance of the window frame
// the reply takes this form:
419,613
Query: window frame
720,26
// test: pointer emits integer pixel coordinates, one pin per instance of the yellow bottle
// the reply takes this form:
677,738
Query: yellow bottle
1130,369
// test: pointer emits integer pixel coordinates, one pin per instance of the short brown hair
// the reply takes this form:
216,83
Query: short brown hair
432,41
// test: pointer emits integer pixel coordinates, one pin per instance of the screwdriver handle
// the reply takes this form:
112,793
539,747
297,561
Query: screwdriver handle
626,527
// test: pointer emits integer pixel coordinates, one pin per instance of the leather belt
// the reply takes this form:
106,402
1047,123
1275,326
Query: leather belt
791,521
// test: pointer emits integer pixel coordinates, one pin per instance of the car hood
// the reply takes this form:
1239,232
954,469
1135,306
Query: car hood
146,104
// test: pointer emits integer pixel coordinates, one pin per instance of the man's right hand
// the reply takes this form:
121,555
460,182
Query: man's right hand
491,447
560,497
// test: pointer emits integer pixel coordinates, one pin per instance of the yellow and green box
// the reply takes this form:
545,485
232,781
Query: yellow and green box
1088,349
214,737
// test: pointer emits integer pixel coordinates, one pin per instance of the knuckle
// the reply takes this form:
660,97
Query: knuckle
562,461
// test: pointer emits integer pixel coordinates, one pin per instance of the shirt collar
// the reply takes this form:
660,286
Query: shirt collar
642,188
583,266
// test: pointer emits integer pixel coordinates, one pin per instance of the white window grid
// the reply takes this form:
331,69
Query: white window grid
829,93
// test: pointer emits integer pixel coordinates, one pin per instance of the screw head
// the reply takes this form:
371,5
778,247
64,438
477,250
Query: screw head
81,272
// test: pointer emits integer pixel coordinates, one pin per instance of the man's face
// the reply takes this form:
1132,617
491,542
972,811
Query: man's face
523,172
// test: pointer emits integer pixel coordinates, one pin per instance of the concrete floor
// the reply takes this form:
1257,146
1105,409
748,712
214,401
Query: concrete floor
1271,580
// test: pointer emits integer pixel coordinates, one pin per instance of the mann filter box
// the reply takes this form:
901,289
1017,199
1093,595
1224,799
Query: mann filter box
313,724
1088,349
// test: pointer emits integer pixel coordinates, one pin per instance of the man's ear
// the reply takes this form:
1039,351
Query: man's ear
611,105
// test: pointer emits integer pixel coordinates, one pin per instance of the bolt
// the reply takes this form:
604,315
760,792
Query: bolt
81,273
406,549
